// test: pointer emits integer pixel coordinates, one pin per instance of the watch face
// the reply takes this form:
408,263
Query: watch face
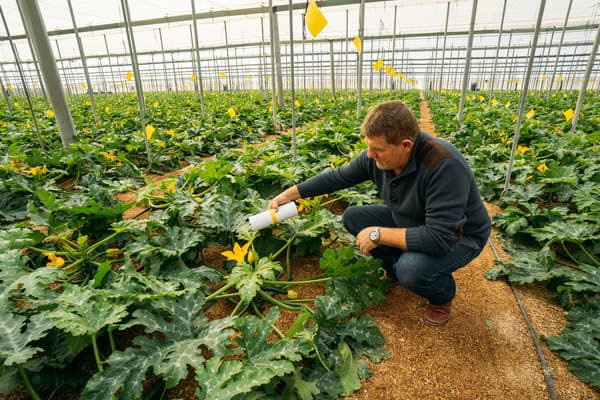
373,236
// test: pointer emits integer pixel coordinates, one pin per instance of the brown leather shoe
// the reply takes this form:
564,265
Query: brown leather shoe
437,315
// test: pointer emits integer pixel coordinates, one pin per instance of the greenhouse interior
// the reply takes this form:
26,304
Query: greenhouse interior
361,199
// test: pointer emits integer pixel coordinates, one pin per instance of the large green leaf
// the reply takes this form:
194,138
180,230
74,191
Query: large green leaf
248,279
81,312
17,337
347,370
185,334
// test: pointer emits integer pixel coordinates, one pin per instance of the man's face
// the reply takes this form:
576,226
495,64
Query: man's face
389,156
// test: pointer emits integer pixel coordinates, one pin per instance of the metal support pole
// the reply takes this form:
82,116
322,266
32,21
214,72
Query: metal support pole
8,106
332,67
433,84
199,77
136,73
277,47
506,74
545,62
112,73
66,71
393,48
193,58
262,57
293,83
174,74
524,96
22,76
272,34
88,81
562,37
586,79
370,62
402,67
229,82
346,67
497,52
33,56
465,82
164,62
361,29
444,48
304,55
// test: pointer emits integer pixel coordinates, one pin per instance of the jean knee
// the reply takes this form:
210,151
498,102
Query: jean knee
409,274
349,219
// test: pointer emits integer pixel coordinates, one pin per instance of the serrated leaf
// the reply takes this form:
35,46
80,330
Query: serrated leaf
347,370
16,337
248,279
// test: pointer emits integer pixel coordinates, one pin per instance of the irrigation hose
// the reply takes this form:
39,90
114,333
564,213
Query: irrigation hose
532,332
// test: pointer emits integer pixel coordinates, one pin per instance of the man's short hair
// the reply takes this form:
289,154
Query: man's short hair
393,120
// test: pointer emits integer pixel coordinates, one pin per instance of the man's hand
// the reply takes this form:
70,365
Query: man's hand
365,245
290,194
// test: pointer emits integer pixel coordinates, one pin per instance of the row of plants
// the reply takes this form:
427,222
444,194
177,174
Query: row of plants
550,218
101,307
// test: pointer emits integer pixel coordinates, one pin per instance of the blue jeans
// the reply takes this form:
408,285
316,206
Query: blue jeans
429,276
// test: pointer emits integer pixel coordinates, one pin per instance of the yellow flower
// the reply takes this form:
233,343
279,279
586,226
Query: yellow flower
481,98
54,260
82,240
231,112
317,101
170,187
297,103
250,257
49,113
494,102
170,132
107,110
28,125
198,199
155,104
302,204
44,169
87,131
292,294
542,168
149,131
507,104
238,252
530,114
108,156
523,149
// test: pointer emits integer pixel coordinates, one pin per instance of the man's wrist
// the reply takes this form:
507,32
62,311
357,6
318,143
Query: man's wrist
375,235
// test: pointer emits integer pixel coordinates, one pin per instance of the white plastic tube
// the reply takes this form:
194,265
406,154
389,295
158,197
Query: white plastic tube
269,217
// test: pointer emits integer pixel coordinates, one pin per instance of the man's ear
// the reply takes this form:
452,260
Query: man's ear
406,144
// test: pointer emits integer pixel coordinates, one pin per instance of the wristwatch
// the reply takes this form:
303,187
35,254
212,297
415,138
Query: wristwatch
374,235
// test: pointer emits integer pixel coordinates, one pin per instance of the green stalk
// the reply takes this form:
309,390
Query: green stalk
318,354
332,242
569,253
227,296
289,242
294,283
281,304
287,262
58,253
101,242
589,255
259,314
28,385
237,308
96,353
218,292
111,338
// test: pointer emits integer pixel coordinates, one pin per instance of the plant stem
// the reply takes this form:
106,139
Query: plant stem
589,255
28,385
287,262
569,253
226,296
318,354
96,353
59,253
293,283
219,291
331,243
277,302
111,338
237,308
289,242
101,242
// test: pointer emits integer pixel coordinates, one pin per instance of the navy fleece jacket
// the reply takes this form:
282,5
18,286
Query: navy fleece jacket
435,197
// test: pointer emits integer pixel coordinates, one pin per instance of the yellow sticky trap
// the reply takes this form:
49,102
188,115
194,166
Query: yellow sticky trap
315,20
83,85
357,43
222,74
543,78
530,114
559,78
9,87
129,76
231,112
378,64
193,78
568,114
249,77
